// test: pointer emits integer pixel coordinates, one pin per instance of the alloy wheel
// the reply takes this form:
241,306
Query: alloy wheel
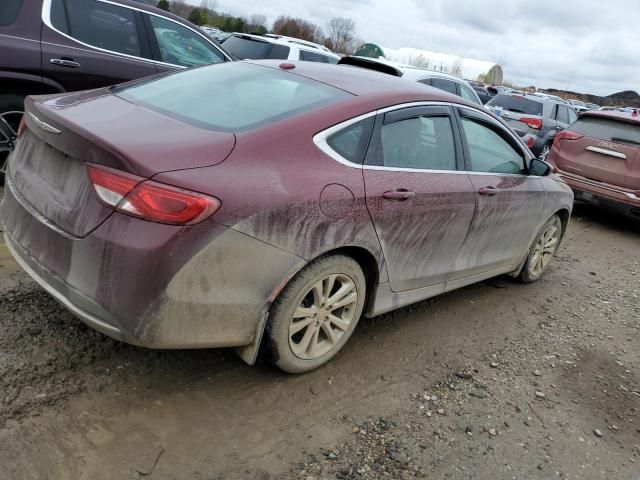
323,316
544,249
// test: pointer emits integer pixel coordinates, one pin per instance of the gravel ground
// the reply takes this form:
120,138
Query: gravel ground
497,380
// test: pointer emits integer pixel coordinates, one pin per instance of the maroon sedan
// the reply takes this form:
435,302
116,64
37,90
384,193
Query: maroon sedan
266,204
599,157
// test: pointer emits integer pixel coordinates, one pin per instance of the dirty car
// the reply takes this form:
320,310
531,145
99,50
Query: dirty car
268,206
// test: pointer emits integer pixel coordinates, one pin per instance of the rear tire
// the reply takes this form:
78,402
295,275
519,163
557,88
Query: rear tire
315,314
542,251
11,109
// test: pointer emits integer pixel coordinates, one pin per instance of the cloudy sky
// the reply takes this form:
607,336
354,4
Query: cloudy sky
587,45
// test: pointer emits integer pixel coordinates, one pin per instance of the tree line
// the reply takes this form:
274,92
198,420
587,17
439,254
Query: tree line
338,34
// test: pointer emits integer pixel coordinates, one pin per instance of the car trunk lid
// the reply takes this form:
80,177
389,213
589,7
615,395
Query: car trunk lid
602,149
48,167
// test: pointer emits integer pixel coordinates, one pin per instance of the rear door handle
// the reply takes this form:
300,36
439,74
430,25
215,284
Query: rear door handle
64,62
400,194
489,191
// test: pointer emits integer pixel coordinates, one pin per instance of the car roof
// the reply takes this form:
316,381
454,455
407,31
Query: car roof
628,117
288,41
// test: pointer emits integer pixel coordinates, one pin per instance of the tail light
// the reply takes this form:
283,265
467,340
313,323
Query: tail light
532,122
23,127
150,200
566,135
531,142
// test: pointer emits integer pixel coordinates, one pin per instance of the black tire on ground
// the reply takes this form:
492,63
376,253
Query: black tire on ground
545,245
8,103
299,296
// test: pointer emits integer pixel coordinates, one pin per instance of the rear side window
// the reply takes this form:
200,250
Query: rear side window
333,61
9,11
181,46
247,48
231,96
424,143
467,94
312,56
608,130
516,104
443,84
351,142
102,25
562,114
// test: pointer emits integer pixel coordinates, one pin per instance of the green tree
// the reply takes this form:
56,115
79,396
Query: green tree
163,5
198,16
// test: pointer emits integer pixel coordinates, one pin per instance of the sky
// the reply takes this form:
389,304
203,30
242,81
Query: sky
588,46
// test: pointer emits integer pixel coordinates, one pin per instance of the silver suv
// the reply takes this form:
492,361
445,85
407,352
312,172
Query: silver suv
253,47
544,116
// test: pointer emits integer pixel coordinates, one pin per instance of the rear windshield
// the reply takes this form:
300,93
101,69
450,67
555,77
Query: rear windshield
608,130
516,103
248,48
232,96
9,11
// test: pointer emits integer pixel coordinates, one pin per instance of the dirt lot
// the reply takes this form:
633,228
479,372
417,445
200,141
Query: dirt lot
498,380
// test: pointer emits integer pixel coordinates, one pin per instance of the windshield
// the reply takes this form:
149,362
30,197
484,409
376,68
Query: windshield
231,96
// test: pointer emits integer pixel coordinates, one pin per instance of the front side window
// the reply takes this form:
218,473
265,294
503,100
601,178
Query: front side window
181,46
9,11
467,94
101,25
419,143
444,84
488,151
231,96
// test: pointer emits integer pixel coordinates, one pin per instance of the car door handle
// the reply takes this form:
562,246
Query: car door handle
400,194
65,62
490,191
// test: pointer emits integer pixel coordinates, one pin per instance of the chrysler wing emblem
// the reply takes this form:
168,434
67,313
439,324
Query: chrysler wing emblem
43,125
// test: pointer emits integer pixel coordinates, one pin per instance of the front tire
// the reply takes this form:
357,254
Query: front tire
315,314
11,110
543,250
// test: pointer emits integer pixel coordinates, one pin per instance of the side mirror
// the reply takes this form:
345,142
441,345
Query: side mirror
540,168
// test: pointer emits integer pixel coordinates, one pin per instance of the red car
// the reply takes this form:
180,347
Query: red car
267,203
599,157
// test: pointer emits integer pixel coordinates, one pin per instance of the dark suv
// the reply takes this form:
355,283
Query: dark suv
52,46
544,115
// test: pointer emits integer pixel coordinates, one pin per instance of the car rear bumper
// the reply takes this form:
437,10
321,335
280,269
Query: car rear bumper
603,194
152,285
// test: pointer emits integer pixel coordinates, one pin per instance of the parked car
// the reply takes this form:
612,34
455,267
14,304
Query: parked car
483,93
578,105
442,81
278,204
544,115
599,157
254,47
592,106
53,46
215,33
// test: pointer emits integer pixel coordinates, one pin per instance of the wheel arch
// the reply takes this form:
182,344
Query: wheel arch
23,84
365,259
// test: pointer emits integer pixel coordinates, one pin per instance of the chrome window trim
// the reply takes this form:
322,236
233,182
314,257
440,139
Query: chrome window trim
321,141
46,19
604,151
